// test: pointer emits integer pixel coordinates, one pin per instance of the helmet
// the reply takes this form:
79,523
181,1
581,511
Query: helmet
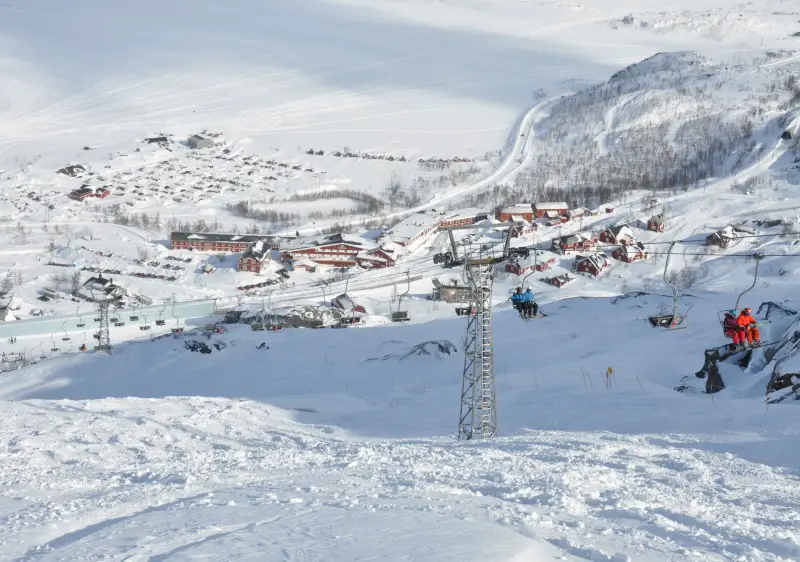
732,312
746,311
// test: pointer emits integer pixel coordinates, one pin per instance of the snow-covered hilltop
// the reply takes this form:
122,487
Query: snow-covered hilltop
277,198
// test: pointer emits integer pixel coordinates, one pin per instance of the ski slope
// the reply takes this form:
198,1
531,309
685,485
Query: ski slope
327,445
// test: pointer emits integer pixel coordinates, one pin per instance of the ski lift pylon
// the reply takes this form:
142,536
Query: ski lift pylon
672,321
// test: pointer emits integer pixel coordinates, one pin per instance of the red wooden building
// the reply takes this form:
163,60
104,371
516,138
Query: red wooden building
560,281
630,253
550,210
216,242
86,192
518,212
581,241
657,223
255,257
593,264
621,234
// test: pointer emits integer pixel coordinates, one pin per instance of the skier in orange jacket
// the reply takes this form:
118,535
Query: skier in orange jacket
749,324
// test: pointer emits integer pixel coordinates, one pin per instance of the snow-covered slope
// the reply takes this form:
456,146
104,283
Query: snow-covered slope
326,442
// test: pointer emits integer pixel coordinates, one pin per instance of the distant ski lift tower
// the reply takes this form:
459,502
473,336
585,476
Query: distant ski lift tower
478,416
102,301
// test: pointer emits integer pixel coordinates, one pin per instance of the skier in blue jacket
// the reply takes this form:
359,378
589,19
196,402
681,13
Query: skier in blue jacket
517,301
529,303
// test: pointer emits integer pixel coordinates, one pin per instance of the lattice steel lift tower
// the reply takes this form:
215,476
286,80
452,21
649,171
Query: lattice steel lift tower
478,415
103,332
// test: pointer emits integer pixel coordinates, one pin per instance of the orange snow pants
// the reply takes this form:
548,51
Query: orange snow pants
753,334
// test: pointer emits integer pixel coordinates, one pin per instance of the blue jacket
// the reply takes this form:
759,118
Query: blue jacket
518,297
527,296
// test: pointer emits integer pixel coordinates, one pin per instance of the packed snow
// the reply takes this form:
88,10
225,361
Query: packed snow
206,434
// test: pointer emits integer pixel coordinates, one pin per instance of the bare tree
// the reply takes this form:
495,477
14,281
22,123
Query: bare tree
75,282
7,284
144,253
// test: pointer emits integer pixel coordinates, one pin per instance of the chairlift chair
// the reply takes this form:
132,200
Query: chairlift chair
674,321
401,315
160,321
721,314
65,337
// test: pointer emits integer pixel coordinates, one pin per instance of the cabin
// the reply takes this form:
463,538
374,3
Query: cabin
101,288
255,257
517,212
576,214
657,223
621,234
630,253
581,241
593,264
721,238
347,304
199,141
86,192
560,280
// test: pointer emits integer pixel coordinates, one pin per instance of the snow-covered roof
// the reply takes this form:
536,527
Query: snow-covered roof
622,231
370,257
338,238
550,206
412,225
517,208
599,260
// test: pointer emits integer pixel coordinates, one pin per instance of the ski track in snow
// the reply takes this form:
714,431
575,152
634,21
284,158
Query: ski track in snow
148,478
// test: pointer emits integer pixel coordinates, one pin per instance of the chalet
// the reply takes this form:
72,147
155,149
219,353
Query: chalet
560,281
199,141
550,210
344,302
621,234
721,238
255,257
581,241
576,214
72,171
101,288
630,253
657,223
517,212
86,192
337,249
216,242
519,267
593,264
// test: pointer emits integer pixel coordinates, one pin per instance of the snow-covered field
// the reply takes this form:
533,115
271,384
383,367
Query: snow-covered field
340,444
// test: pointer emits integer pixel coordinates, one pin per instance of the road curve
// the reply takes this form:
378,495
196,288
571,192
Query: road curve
512,163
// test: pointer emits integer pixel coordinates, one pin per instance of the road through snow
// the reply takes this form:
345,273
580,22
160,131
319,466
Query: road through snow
515,160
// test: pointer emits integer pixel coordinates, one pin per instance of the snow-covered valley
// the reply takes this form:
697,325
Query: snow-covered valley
205,435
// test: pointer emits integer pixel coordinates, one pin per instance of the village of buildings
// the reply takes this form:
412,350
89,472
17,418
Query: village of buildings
141,264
